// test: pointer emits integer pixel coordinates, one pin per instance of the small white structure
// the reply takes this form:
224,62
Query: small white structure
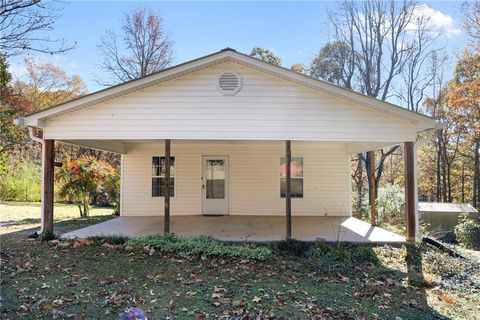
442,217
231,121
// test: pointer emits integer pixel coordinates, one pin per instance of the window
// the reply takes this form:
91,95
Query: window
158,176
296,169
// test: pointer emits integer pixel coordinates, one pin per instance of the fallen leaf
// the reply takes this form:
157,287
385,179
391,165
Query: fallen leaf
151,251
256,299
218,289
343,278
85,242
236,303
446,299
58,302
112,246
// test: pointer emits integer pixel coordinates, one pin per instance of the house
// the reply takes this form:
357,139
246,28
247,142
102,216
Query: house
233,136
441,218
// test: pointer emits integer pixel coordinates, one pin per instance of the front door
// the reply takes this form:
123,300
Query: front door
215,185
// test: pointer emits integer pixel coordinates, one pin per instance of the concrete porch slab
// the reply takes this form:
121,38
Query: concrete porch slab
243,228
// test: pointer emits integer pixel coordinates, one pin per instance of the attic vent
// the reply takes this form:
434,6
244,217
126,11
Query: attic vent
229,83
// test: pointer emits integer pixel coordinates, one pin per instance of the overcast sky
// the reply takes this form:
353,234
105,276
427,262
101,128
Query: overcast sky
293,30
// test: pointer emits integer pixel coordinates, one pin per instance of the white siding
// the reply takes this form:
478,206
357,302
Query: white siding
254,178
266,108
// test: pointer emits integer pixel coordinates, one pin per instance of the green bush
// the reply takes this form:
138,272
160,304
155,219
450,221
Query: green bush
329,253
20,180
292,246
360,207
467,232
110,239
206,246
111,186
390,201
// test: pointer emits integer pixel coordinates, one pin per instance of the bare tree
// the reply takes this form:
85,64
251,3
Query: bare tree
140,49
435,106
383,37
424,66
471,21
20,24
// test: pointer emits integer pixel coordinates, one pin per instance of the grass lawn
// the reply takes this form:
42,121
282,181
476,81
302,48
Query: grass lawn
42,281
22,216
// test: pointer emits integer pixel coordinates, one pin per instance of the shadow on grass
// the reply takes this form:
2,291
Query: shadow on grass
351,260
346,258
11,223
59,227
73,224
417,282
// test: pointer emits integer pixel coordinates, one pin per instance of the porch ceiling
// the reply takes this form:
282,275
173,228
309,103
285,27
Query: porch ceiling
120,146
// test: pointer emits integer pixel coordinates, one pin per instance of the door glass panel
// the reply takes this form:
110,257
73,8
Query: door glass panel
215,179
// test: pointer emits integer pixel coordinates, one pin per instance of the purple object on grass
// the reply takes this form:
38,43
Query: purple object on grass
132,314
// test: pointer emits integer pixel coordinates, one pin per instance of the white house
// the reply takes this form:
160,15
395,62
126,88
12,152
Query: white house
228,122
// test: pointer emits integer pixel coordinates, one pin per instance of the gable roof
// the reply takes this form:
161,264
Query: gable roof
421,121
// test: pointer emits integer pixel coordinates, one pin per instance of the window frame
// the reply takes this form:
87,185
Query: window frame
302,177
152,176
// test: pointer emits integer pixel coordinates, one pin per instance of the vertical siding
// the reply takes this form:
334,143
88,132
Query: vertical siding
266,108
254,178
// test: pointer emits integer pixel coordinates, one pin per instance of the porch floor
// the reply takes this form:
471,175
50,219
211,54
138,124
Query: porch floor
243,228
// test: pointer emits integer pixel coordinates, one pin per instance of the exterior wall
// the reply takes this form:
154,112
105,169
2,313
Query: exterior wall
266,108
254,178
442,222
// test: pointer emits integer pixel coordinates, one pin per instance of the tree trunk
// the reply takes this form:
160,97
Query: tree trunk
79,205
476,176
95,198
439,159
444,180
371,178
360,184
85,210
463,183
449,181
86,203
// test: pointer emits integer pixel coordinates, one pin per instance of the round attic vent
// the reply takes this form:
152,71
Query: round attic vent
229,83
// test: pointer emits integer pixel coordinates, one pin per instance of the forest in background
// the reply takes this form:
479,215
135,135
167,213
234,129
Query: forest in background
384,49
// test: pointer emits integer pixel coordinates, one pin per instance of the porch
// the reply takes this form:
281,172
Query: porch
244,228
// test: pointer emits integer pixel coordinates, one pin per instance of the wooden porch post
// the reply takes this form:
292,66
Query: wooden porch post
372,188
288,188
410,193
48,181
166,213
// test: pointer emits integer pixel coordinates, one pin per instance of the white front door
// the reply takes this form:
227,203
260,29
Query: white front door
215,185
